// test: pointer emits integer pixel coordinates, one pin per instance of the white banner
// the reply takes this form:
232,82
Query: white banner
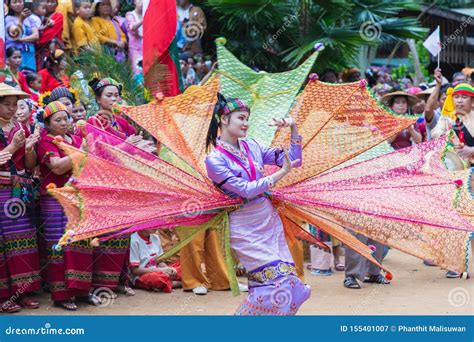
433,43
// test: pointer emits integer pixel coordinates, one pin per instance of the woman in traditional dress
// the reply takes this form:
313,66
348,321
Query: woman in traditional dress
108,31
108,92
235,165
111,256
53,75
16,76
19,258
69,268
68,99
401,102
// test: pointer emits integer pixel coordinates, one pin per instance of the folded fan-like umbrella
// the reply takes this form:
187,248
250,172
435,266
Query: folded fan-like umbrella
403,199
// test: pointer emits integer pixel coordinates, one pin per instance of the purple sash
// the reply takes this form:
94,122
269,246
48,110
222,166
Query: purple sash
119,56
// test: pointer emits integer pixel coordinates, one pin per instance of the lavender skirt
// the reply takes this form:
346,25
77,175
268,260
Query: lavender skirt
257,237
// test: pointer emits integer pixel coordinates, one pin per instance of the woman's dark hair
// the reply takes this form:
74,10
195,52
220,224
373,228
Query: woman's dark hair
215,121
9,3
40,116
77,3
371,77
11,50
31,76
94,85
392,100
51,61
326,73
97,5
38,3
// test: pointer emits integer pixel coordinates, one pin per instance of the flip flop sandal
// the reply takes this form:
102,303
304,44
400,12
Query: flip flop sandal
91,299
376,279
126,290
68,305
10,307
240,271
339,267
351,283
28,303
94,300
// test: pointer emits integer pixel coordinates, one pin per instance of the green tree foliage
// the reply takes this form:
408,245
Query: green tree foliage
277,35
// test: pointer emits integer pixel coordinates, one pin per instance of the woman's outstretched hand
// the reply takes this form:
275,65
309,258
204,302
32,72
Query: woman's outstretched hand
282,123
287,163
285,168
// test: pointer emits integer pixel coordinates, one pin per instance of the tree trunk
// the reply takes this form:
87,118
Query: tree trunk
416,62
367,55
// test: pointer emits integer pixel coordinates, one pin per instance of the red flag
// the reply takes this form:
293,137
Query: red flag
160,61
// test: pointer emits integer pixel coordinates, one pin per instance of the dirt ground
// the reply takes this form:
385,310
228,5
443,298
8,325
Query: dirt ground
415,290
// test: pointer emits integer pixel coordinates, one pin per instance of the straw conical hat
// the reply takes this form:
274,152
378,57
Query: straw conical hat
412,100
6,90
426,92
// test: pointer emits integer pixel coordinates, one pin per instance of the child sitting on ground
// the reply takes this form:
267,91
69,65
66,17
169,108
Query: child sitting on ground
147,273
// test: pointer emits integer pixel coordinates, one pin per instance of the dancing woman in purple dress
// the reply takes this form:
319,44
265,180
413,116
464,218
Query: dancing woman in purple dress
236,166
